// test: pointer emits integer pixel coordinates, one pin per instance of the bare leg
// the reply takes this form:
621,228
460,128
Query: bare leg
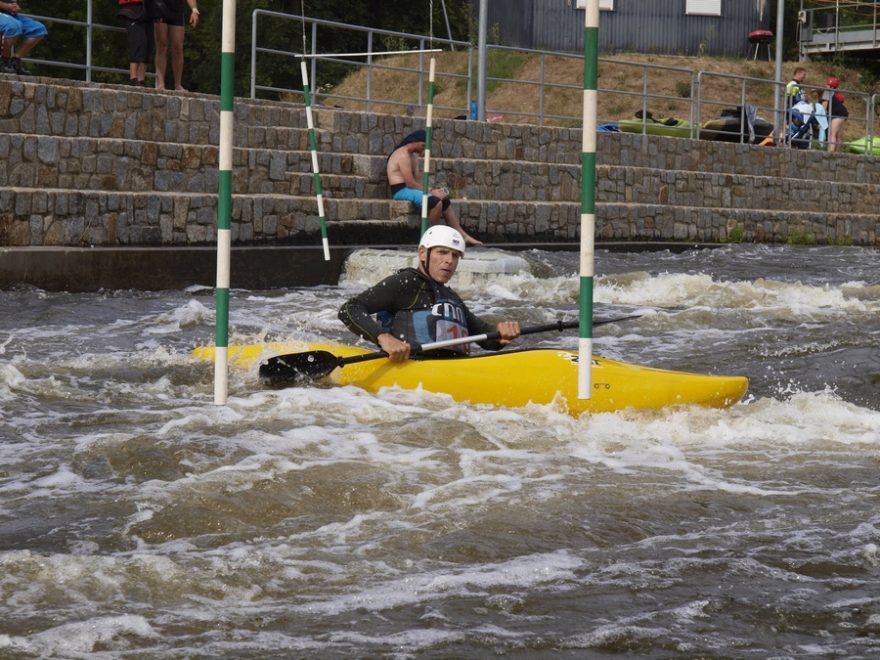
25,47
434,217
834,133
452,220
175,37
161,33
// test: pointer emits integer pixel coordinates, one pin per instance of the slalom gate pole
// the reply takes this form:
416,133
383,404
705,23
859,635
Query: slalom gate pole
224,204
313,148
588,199
426,171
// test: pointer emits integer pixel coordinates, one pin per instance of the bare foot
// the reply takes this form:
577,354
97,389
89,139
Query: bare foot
180,88
471,241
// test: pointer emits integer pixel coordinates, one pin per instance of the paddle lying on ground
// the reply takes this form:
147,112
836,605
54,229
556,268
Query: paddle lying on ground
294,368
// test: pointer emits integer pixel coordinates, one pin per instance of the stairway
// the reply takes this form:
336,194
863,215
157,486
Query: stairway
108,166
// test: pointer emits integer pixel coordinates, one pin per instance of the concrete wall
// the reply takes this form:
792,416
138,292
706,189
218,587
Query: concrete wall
103,166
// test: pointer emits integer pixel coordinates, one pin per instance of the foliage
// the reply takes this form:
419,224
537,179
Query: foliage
66,43
800,236
735,235
683,89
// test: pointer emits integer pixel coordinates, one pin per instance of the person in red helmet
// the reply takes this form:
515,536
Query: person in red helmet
833,102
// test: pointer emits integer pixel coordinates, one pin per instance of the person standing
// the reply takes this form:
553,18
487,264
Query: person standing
417,305
137,18
833,102
169,23
14,24
794,94
404,178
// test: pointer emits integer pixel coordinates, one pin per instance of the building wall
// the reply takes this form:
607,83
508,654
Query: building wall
643,26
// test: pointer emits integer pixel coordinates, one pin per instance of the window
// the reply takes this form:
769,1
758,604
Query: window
604,5
703,7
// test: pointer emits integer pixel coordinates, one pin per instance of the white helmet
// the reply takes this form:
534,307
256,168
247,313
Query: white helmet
442,235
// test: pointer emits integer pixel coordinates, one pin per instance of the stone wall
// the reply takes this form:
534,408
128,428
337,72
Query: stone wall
111,166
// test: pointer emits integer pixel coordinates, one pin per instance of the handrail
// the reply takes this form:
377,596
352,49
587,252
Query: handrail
90,27
694,100
314,23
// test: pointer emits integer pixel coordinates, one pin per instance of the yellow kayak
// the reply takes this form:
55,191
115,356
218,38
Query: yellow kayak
516,378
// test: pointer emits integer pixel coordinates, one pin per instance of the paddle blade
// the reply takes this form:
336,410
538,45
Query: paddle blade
295,368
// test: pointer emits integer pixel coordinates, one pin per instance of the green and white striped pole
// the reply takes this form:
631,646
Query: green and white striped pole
224,204
313,148
588,199
426,171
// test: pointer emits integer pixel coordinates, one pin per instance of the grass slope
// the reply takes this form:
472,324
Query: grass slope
622,78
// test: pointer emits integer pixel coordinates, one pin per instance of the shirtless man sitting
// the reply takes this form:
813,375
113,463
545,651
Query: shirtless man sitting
404,178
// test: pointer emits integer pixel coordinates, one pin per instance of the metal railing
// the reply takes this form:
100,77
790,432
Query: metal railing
851,25
90,30
370,36
698,93
541,86
701,99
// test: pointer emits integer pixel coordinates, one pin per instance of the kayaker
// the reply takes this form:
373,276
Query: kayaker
404,181
415,304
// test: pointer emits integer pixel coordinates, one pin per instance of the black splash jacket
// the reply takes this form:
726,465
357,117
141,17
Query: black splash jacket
403,297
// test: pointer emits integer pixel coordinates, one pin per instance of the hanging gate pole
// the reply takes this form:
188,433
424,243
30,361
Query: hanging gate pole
426,170
313,149
224,204
588,199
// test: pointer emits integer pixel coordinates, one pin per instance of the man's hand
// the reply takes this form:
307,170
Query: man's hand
11,7
509,330
397,350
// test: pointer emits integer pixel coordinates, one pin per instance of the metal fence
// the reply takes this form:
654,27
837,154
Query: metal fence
90,32
699,96
702,96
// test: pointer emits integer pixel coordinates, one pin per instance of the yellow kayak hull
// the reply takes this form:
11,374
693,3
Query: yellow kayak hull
517,378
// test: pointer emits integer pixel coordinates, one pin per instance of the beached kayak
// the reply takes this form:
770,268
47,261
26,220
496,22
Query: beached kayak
679,128
516,378
860,146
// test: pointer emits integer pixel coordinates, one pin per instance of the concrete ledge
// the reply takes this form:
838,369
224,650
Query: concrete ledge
91,269
78,270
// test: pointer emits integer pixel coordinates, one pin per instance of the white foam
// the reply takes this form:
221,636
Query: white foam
521,572
82,637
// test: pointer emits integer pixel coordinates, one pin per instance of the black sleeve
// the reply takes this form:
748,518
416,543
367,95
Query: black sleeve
477,326
393,293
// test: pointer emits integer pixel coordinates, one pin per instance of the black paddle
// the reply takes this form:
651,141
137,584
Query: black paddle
295,368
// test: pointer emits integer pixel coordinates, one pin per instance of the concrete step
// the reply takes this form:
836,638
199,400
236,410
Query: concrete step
30,161
42,106
101,218
90,217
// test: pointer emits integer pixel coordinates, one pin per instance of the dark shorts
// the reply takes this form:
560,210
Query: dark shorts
169,12
140,41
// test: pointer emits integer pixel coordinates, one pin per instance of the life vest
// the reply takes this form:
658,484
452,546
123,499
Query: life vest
445,319
794,93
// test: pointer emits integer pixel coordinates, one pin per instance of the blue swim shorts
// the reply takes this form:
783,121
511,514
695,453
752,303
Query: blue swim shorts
415,196
21,26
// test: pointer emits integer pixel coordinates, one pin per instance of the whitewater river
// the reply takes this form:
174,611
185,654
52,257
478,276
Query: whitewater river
139,520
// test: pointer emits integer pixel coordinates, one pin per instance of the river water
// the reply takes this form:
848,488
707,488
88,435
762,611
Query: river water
139,520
